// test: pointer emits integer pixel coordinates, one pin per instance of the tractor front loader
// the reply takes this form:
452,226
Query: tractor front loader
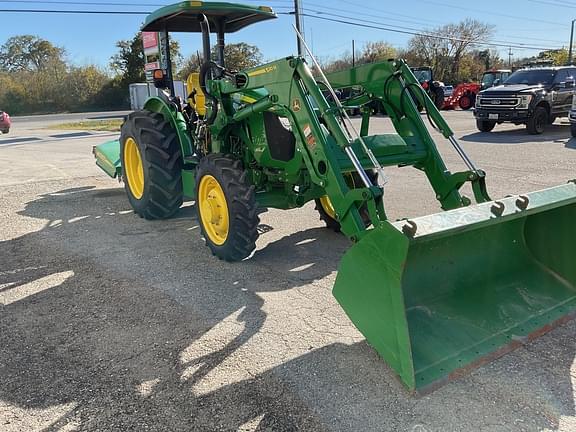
435,295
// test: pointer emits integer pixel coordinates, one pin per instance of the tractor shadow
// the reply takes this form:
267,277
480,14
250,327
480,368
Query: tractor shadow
558,133
105,320
111,322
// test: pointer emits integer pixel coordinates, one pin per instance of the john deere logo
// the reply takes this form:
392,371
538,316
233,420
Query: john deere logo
296,105
496,102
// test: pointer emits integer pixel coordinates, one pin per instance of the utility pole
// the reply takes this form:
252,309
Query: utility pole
571,43
353,53
510,54
298,26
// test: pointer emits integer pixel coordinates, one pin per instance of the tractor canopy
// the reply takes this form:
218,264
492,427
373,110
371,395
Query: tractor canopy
225,17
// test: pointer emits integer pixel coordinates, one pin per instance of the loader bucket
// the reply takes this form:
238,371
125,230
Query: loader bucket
468,286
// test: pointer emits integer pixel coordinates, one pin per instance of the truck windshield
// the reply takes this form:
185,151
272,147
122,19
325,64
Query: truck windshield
531,77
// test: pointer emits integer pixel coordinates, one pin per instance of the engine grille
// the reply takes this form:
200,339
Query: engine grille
493,102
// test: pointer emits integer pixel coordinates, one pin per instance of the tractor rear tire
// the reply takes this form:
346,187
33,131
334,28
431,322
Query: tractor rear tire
537,123
226,205
151,165
485,125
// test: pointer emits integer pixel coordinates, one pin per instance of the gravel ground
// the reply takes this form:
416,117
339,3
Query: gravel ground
112,323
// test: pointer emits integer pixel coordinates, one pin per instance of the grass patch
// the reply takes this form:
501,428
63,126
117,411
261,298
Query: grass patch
91,125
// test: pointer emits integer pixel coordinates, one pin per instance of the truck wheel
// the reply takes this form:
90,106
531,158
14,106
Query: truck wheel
538,121
227,210
326,209
465,102
485,125
151,165
5,131
573,130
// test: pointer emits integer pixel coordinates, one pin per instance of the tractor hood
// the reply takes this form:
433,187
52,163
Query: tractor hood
183,17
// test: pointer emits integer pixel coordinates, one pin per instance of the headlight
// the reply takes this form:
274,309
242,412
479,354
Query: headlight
574,102
525,101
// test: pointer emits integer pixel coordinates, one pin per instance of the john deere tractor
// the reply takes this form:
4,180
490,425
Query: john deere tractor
435,295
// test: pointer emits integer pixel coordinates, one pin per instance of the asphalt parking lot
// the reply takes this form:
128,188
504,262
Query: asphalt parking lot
112,323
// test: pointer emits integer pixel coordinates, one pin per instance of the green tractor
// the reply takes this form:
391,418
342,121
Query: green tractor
436,295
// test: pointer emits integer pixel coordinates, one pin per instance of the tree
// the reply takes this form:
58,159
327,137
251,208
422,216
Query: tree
129,62
237,56
377,51
444,48
558,56
342,62
241,56
489,58
29,53
191,64
84,84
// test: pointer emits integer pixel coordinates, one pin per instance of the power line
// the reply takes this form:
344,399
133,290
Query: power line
418,21
548,3
400,27
349,21
413,33
516,17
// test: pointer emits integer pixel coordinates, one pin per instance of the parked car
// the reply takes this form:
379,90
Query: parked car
5,122
534,97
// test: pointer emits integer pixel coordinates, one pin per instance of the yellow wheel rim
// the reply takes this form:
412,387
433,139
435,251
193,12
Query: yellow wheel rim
213,210
133,169
328,207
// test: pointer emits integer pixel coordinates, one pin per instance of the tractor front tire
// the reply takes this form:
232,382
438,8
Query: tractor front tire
151,165
327,213
485,125
326,210
226,205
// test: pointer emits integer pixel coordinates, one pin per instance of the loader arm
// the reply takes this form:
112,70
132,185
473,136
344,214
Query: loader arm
323,141
393,84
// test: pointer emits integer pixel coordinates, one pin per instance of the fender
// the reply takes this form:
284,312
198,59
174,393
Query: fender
176,119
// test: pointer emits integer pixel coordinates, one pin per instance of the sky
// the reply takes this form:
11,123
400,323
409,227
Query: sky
90,39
